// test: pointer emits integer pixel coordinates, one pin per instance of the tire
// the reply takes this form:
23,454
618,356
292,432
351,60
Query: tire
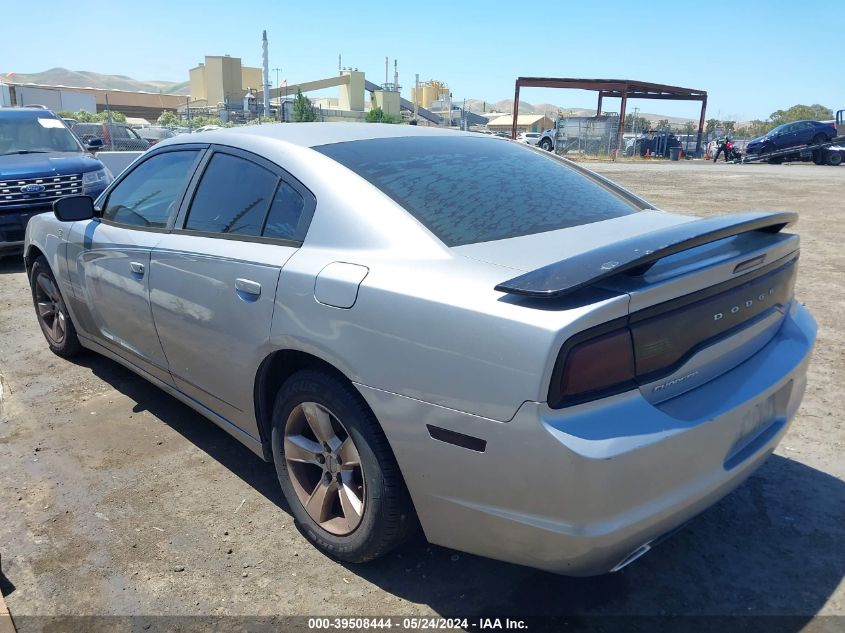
834,158
819,156
818,139
546,144
375,489
51,311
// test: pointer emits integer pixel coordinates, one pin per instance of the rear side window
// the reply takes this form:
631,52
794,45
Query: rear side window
467,189
150,192
286,213
233,197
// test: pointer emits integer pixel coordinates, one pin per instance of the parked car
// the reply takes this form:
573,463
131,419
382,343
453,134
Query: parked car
40,161
115,136
155,134
409,337
796,134
532,138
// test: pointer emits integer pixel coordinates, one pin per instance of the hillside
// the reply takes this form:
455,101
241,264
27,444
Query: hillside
87,79
506,106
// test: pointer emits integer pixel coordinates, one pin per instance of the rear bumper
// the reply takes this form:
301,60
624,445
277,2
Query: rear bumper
577,491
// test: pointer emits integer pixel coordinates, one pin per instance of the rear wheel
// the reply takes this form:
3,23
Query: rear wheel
337,470
834,158
818,139
51,311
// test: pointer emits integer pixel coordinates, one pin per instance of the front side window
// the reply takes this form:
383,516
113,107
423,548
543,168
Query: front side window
149,193
232,197
467,189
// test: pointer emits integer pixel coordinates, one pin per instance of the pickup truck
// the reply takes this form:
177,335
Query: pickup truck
40,161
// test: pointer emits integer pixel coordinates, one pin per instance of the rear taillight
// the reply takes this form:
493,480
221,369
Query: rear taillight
599,366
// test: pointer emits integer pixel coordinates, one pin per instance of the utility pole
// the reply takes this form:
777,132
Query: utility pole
634,127
279,93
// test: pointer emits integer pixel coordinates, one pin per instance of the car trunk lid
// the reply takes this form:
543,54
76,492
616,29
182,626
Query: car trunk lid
713,296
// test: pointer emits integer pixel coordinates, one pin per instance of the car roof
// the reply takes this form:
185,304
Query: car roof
315,134
28,111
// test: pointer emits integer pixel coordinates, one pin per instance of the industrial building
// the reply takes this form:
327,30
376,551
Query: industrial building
524,123
427,92
221,82
147,105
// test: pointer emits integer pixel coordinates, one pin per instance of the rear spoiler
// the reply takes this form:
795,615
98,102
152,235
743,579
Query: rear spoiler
636,255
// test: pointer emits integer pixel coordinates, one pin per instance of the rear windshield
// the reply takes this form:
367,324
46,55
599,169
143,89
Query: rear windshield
467,189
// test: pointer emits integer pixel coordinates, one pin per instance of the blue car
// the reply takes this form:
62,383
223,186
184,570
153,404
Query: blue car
795,134
40,161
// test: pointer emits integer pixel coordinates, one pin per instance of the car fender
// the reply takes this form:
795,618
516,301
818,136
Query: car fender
48,235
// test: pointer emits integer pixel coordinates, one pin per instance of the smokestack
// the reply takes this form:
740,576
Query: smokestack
266,74
416,94
385,71
338,63
396,75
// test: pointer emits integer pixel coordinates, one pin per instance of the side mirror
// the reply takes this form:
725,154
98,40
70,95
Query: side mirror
94,144
74,208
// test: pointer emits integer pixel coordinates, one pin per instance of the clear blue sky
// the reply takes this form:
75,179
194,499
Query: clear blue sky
729,49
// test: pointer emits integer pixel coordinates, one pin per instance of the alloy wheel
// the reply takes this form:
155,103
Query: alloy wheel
51,309
325,468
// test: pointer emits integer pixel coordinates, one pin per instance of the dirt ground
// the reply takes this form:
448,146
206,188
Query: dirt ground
116,499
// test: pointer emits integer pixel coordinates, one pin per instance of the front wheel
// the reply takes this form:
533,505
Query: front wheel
834,159
51,310
546,144
336,469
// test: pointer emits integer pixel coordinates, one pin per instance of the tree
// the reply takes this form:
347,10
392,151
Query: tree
663,124
83,116
800,112
636,123
711,125
729,126
377,115
689,127
169,119
303,109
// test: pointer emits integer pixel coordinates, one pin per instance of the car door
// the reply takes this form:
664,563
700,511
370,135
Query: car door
214,277
804,133
110,257
788,137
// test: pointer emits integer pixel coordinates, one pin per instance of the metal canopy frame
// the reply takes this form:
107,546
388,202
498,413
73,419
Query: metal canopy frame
623,89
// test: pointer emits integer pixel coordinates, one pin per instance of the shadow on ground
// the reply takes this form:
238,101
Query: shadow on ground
11,264
773,547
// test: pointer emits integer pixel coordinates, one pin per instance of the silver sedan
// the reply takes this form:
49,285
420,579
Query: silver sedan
437,329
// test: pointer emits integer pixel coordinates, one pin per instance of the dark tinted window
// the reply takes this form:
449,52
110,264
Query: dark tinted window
232,197
148,195
284,219
472,189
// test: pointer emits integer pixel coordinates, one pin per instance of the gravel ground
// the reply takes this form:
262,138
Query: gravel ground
116,499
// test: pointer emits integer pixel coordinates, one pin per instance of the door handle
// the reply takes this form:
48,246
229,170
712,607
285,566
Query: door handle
247,287
137,268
